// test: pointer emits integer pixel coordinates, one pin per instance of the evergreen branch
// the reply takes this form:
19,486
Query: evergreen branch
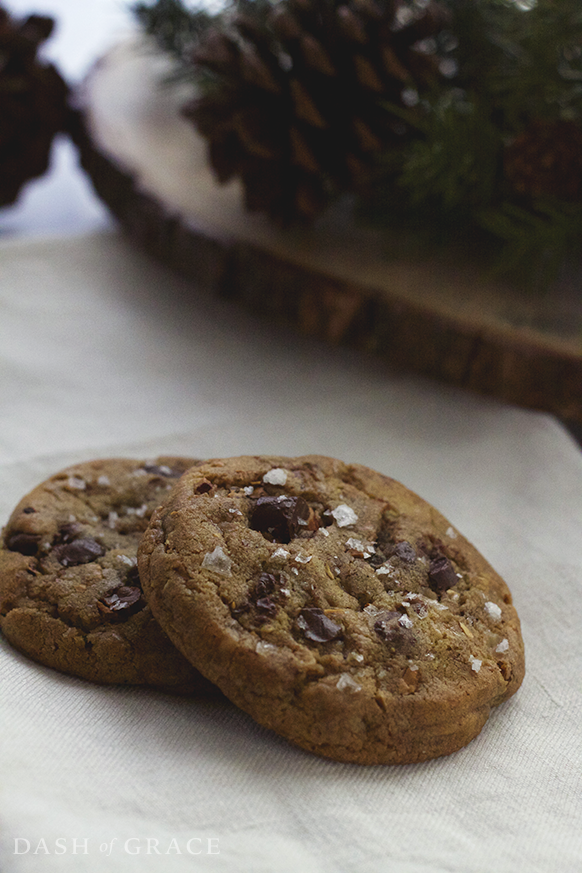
175,27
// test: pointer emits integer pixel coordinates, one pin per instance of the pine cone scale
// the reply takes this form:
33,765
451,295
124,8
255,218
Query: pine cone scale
316,70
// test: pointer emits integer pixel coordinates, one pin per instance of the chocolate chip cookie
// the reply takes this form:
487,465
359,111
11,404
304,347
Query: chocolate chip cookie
70,594
334,605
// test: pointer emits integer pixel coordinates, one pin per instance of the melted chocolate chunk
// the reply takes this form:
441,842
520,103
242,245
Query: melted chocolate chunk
398,638
125,600
68,532
25,543
266,585
377,559
441,574
405,552
267,607
133,577
81,551
240,609
280,518
316,626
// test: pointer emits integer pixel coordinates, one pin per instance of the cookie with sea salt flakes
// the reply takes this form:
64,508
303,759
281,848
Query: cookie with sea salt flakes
333,605
70,594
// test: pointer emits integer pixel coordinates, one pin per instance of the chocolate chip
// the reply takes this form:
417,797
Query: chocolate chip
400,639
68,532
279,518
81,551
266,606
28,509
133,576
441,574
25,543
405,552
204,487
317,626
126,600
377,559
266,585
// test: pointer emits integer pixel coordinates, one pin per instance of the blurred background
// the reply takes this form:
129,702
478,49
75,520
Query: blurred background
62,201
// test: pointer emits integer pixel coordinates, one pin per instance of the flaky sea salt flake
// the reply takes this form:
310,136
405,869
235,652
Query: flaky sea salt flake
263,648
344,515
276,476
492,610
475,663
359,549
346,683
503,646
77,483
281,554
217,561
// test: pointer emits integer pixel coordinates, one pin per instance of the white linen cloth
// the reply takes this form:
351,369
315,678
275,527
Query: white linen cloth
104,353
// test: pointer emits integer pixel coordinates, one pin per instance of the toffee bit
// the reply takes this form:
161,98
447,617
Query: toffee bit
466,630
359,549
410,679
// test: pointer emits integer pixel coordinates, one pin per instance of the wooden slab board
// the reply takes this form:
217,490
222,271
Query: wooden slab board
338,280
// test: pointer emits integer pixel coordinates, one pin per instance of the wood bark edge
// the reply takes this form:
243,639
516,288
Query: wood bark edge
406,335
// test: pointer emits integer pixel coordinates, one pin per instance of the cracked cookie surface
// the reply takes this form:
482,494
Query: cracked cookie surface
70,593
333,605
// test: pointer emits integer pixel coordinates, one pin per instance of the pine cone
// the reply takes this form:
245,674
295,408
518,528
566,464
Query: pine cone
298,93
32,103
546,161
